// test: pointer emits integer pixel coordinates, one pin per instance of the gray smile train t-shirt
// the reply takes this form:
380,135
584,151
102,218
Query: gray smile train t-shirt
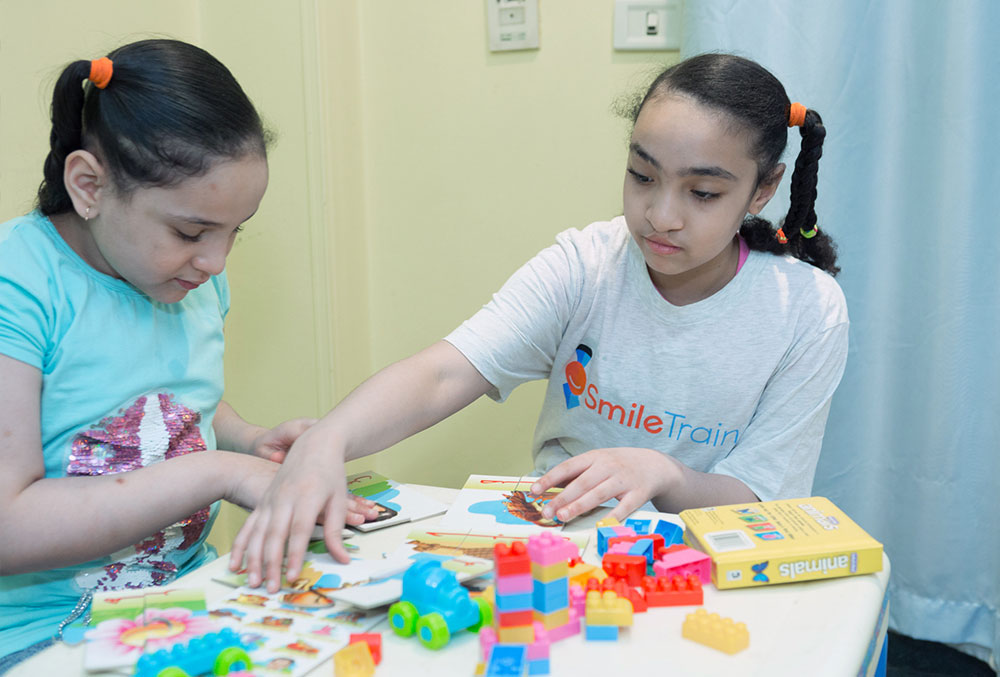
739,383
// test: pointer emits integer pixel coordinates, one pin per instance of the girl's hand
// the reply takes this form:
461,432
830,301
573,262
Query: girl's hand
309,488
630,474
274,444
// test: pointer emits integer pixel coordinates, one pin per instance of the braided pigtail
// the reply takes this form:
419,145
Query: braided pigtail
804,239
66,136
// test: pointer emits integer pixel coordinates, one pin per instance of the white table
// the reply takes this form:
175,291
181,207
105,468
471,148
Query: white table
834,627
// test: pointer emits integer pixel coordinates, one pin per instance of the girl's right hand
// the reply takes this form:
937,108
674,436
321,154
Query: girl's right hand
309,487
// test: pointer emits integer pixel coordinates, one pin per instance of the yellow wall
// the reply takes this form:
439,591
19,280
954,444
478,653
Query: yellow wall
414,171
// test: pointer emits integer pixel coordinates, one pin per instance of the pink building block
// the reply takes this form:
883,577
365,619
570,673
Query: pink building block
578,598
567,630
518,583
540,648
487,640
680,560
548,548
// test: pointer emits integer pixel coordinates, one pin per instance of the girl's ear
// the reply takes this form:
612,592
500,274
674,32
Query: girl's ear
765,191
85,181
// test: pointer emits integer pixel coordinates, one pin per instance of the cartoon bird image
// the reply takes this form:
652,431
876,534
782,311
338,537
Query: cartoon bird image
523,506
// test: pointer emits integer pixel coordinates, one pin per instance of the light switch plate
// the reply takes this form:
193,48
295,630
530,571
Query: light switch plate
648,24
512,24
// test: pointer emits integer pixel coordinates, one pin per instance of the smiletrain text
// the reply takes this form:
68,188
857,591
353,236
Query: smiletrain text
671,424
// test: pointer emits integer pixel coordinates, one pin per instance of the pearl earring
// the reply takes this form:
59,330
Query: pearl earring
86,216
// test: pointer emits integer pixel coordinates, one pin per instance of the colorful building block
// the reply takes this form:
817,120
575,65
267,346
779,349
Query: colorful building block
673,591
510,560
578,598
513,602
519,634
638,526
506,660
373,640
487,638
604,533
629,567
580,572
680,560
608,522
354,660
650,546
549,572
607,608
553,619
568,629
672,533
714,631
540,648
509,619
548,548
506,585
601,632
549,597
539,666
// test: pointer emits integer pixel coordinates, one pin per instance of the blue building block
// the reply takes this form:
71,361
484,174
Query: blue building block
506,659
601,632
605,533
638,526
551,596
539,666
518,601
672,533
208,653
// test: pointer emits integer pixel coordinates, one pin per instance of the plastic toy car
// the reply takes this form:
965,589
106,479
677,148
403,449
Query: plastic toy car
216,653
435,605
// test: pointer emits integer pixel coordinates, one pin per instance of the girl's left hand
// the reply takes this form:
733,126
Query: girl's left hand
630,474
274,444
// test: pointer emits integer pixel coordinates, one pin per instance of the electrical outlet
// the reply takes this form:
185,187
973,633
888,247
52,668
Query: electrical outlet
648,24
512,24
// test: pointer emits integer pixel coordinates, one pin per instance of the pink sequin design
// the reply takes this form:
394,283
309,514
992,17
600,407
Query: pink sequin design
150,430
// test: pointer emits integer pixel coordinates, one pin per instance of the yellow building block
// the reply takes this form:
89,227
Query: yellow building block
354,660
554,619
608,522
581,572
712,630
516,634
608,609
550,572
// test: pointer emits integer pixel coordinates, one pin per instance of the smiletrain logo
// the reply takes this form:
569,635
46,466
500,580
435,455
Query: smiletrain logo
576,376
579,389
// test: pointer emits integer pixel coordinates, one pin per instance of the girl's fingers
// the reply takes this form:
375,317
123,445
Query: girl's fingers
240,542
580,486
332,524
253,551
273,549
593,497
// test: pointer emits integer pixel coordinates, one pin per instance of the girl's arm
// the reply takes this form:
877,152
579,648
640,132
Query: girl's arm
399,401
235,434
634,476
53,522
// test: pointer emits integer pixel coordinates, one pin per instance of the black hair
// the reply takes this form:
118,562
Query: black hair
756,102
170,111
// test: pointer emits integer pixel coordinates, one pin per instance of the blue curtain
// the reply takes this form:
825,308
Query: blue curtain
910,190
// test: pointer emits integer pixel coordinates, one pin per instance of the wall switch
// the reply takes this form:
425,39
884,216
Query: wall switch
512,24
648,24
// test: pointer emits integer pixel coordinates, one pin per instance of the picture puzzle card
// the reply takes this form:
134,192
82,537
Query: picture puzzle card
489,503
397,503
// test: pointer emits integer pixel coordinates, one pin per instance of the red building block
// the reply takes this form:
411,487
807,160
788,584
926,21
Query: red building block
507,619
511,560
373,640
630,567
673,591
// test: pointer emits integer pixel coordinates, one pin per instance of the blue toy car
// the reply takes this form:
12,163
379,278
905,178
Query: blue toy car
435,605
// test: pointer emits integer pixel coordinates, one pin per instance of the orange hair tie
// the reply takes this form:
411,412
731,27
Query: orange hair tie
796,115
100,72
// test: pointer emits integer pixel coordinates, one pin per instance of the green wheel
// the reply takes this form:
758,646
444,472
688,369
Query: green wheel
432,631
172,671
403,618
485,614
228,659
